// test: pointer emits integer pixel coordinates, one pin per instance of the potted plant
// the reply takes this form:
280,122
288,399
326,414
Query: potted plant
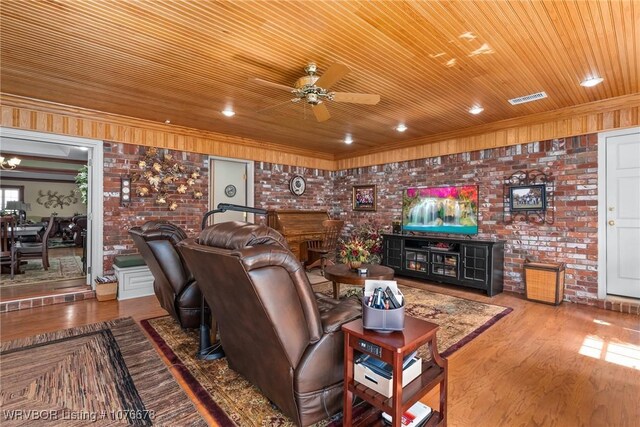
82,181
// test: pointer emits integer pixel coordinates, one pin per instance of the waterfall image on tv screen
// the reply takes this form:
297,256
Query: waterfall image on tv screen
441,209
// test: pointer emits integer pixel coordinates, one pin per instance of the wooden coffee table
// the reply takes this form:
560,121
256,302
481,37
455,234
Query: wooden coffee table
341,273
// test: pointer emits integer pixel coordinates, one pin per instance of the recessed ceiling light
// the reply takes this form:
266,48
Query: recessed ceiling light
401,127
590,82
228,112
348,139
166,122
476,109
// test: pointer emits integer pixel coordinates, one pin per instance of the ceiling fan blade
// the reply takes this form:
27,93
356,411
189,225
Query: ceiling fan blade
356,98
321,112
330,77
271,84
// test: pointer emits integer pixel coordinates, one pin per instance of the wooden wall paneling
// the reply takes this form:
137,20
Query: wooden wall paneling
46,117
28,114
593,117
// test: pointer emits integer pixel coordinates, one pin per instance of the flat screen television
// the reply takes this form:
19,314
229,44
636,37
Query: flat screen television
450,209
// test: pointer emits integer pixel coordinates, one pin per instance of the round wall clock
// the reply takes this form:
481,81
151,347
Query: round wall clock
297,185
230,190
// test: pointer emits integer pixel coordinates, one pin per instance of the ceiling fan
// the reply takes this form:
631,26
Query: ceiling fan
314,89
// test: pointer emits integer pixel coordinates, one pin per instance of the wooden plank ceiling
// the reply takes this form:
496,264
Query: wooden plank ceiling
429,61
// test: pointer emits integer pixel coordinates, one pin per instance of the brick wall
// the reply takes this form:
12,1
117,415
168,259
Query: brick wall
571,239
272,187
122,159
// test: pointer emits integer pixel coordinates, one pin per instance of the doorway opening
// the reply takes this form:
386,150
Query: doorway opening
56,223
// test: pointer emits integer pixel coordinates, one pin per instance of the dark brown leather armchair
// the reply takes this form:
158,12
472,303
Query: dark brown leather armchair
78,226
281,337
174,285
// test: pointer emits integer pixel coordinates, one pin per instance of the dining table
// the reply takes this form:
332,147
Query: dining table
29,230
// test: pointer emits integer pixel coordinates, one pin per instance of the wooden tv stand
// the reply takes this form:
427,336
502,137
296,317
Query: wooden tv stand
473,263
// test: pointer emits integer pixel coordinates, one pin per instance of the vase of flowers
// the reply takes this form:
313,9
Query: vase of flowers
354,252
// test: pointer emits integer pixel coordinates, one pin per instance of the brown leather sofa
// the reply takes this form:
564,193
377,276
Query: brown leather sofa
174,285
281,337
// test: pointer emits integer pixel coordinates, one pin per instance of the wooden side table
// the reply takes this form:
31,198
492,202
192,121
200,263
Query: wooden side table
394,346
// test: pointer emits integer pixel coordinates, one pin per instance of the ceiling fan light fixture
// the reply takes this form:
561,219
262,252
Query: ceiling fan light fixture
228,112
591,81
401,127
476,109
348,139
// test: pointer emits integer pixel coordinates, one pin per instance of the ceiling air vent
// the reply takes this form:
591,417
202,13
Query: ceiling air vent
527,98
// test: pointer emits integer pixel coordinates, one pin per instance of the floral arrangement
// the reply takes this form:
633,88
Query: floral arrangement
367,240
160,173
354,250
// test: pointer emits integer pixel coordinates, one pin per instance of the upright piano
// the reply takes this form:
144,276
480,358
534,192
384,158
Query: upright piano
298,227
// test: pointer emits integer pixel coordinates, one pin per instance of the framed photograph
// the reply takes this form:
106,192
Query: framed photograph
527,197
364,197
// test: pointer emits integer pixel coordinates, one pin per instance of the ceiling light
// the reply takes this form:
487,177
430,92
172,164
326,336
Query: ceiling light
228,112
11,163
590,82
348,139
401,127
476,109
166,122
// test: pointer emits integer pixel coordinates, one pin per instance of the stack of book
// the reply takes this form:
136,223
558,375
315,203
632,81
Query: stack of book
106,279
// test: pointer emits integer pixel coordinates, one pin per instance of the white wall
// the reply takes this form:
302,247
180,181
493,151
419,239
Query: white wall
31,195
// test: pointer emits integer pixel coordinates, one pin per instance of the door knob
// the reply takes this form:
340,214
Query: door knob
612,222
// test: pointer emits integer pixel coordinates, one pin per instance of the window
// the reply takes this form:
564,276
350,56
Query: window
10,194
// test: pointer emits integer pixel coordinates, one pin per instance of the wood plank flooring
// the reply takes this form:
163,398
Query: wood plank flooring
539,366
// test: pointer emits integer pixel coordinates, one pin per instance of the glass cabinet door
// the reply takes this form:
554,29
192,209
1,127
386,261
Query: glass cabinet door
444,264
415,260
474,260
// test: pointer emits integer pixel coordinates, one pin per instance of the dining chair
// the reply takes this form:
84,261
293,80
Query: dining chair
8,250
34,250
327,247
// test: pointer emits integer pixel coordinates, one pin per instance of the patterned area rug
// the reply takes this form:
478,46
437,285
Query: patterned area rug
232,400
60,268
102,374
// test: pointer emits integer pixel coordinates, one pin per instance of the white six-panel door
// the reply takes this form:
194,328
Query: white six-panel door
623,212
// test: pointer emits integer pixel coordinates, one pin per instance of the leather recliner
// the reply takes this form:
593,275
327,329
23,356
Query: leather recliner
78,225
174,285
281,337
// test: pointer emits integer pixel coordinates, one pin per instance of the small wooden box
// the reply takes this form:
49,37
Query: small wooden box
106,291
544,282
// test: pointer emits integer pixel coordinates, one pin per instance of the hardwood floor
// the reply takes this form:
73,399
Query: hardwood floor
31,290
539,366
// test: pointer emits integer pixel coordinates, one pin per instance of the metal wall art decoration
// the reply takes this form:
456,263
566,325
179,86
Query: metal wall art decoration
528,197
53,199
160,175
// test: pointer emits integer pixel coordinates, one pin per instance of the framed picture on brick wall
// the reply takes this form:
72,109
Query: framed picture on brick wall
364,197
527,197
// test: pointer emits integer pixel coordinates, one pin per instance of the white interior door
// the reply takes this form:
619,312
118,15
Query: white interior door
229,185
623,213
